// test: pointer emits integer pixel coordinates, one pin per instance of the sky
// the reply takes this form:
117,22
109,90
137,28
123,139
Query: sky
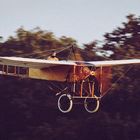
83,20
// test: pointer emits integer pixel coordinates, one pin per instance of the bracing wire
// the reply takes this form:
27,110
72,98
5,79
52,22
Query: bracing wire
122,75
58,50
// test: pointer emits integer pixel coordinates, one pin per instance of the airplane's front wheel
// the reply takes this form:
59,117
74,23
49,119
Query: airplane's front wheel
65,103
91,104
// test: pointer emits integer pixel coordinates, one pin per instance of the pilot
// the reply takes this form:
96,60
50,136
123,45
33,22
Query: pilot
53,57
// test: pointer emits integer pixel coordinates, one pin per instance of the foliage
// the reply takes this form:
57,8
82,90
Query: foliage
125,41
28,107
35,43
125,44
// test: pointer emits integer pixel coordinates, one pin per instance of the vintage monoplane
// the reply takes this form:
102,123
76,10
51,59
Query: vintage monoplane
83,80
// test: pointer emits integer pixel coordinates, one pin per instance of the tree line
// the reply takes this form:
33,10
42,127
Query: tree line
29,108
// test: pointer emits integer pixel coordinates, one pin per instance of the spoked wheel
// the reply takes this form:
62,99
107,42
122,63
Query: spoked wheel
91,104
65,103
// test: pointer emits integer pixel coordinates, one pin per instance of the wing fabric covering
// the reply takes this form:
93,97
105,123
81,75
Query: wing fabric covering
114,62
60,70
33,63
39,68
41,63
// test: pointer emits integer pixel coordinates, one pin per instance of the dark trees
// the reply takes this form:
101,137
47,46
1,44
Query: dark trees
28,107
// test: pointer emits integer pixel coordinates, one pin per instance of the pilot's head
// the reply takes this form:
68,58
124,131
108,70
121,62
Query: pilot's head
54,54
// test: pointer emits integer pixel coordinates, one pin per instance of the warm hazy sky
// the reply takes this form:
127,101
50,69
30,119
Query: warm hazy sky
84,20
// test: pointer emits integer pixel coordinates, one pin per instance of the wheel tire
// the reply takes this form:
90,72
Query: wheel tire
65,103
95,104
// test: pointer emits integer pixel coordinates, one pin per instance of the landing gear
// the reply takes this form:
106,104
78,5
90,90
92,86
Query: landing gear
65,103
91,104
87,90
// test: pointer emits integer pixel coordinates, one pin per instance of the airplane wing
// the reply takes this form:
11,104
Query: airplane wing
33,63
42,63
114,62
